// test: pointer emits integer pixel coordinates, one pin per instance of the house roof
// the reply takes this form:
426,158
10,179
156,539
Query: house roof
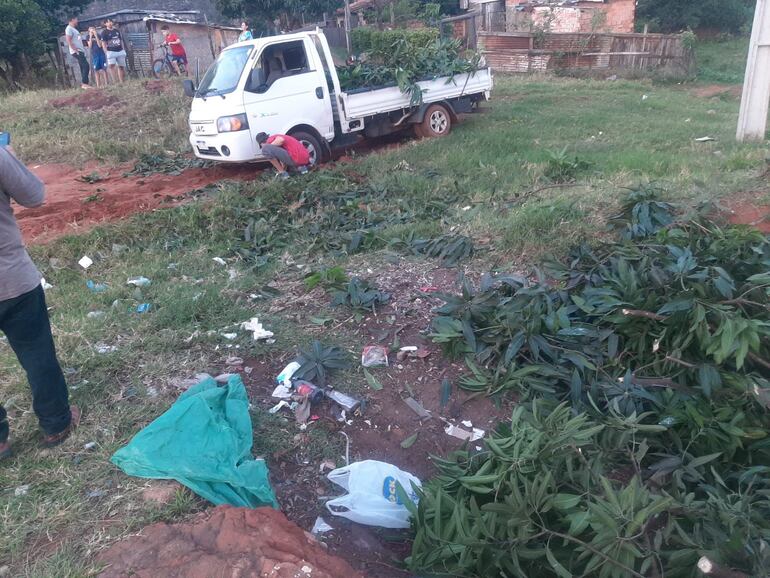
137,12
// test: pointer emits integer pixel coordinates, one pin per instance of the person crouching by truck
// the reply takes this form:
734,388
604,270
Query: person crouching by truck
285,153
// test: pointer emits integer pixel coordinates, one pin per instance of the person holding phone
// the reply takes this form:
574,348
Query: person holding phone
24,315
98,58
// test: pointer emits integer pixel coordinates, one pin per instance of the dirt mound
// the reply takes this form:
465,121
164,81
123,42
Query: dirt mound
749,209
79,199
224,542
87,100
157,86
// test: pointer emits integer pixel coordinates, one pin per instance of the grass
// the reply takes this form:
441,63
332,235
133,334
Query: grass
485,180
722,62
137,122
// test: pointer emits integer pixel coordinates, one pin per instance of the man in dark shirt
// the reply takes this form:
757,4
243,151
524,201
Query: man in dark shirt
112,43
23,312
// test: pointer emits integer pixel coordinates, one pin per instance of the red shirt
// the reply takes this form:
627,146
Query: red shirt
296,149
176,49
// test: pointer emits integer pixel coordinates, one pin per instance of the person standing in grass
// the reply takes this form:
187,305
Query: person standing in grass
245,32
24,315
112,43
77,50
98,58
285,153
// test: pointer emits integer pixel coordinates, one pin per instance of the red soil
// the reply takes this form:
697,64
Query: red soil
744,209
74,206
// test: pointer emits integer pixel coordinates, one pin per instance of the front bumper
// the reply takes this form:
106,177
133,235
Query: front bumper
226,147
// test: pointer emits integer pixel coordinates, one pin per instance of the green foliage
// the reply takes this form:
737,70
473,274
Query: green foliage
404,57
659,342
561,167
359,296
667,16
327,277
558,494
448,249
319,360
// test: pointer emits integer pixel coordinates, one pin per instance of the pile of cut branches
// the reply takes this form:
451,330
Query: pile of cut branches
403,58
642,440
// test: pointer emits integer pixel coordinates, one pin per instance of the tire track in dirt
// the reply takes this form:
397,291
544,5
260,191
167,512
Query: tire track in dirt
74,205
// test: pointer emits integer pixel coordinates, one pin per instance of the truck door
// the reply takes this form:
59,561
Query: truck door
287,88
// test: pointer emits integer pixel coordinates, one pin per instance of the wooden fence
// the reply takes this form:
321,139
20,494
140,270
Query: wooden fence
668,55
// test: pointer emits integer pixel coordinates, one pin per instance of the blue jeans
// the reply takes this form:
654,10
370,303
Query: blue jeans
24,320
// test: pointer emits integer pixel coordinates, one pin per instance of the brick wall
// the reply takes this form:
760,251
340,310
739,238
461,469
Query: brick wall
619,15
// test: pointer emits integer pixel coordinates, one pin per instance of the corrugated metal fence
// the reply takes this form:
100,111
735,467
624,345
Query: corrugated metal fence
527,52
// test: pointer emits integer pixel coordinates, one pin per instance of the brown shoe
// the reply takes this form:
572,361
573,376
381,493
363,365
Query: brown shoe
5,451
55,439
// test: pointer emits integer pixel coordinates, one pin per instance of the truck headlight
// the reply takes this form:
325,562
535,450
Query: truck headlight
232,123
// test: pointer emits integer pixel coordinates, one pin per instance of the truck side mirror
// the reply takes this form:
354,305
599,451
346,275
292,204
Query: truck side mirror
189,88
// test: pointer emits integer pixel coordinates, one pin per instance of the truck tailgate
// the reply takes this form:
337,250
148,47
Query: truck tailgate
362,104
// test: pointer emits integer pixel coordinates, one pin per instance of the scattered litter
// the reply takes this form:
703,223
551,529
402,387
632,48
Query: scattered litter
347,448
410,441
346,401
372,381
96,287
95,314
309,390
139,282
467,423
233,274
21,490
374,356
234,361
372,497
89,446
118,249
143,307
85,262
409,348
282,392
46,285
258,331
417,408
220,261
327,465
96,494
307,569
645,97
152,391
102,348
320,527
705,139
462,434
302,411
277,407
287,373
224,377
247,370
229,336
467,208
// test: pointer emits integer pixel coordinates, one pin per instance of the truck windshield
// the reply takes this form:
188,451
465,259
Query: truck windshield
224,74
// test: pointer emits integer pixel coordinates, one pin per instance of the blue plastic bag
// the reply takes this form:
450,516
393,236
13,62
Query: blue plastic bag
204,442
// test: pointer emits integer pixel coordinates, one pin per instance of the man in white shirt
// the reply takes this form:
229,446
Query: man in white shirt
77,50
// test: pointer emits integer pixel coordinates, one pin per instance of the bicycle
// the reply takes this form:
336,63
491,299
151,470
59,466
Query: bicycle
164,67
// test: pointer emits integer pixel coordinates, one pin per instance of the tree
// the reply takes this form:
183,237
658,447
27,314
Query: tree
26,27
673,16
289,11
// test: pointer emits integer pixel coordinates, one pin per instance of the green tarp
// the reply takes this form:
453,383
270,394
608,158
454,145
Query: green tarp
204,442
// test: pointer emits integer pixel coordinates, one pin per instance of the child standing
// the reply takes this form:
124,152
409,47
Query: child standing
98,58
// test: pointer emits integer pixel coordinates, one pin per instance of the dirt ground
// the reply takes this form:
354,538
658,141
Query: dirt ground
75,204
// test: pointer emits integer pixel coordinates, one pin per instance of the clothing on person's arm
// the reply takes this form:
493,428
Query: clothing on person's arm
18,182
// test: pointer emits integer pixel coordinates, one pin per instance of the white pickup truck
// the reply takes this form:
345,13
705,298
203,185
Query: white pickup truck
288,85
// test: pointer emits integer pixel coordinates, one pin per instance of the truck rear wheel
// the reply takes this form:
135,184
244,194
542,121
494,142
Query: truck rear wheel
314,147
436,122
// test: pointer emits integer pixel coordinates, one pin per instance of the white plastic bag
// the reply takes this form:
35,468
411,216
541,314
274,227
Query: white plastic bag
371,497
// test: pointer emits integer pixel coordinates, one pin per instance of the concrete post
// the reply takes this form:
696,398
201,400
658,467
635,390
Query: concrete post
752,121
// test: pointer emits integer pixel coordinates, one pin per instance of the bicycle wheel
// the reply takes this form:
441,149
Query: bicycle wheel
160,69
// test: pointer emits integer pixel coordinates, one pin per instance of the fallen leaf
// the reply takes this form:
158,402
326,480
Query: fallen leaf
409,442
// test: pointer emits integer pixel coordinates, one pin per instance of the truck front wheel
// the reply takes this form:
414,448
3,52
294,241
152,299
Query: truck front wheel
436,122
314,147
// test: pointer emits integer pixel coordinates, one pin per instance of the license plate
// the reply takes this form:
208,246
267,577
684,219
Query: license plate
201,144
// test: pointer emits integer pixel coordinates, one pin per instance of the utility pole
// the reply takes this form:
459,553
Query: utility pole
347,25
752,121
